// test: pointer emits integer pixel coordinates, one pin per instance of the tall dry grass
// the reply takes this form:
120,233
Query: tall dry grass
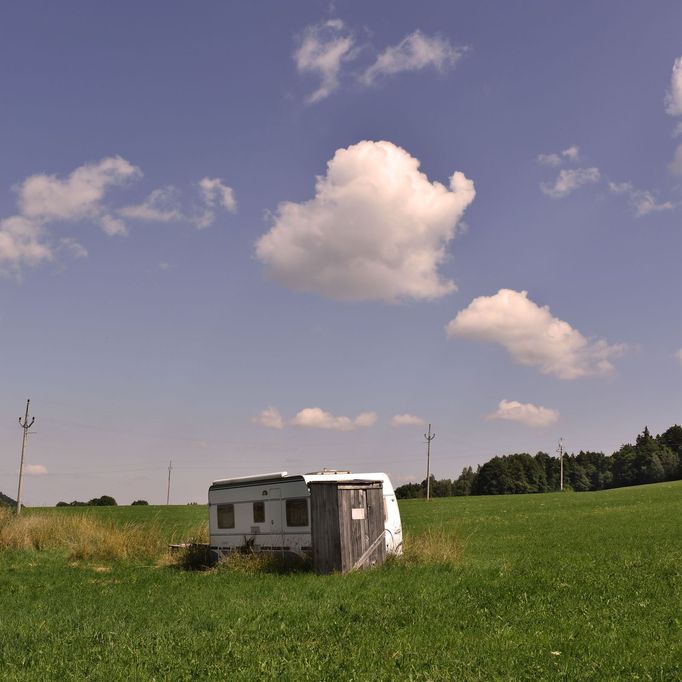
81,535
434,546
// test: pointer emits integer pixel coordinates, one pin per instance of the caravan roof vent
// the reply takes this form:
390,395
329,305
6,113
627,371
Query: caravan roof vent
328,472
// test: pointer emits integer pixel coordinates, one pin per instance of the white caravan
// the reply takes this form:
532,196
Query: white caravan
272,511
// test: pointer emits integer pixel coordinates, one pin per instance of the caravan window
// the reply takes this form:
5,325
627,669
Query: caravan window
297,512
225,516
259,512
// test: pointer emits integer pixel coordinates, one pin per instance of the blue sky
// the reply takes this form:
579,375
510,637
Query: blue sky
247,236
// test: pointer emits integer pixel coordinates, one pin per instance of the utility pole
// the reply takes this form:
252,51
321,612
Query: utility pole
429,438
25,425
560,450
170,468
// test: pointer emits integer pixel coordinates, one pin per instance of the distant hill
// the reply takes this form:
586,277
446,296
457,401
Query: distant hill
7,501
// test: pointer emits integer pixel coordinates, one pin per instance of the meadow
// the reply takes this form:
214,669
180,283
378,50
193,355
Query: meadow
554,586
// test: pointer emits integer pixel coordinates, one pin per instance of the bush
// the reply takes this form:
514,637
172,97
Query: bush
139,502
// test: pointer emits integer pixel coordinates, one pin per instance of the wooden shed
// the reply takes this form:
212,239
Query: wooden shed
347,525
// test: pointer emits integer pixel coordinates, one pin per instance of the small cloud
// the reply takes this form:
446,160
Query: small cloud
570,154
35,470
214,193
317,418
525,413
673,98
407,420
160,206
22,243
270,418
366,419
79,196
322,50
415,52
549,159
570,179
76,249
678,355
533,336
113,226
641,201
677,130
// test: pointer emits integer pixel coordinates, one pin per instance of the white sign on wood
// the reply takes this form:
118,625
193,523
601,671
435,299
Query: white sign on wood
358,514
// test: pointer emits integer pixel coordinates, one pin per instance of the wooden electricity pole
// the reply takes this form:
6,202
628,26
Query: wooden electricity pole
25,425
560,450
429,438
170,468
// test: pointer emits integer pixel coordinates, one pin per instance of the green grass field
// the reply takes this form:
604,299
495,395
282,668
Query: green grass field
556,586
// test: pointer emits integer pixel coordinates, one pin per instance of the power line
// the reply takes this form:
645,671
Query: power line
429,438
170,468
25,425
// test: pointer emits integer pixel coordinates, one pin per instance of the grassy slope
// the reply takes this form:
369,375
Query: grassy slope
594,576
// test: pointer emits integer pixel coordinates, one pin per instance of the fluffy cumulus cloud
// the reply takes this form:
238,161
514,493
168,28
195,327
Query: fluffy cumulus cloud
641,201
673,98
407,420
35,470
556,159
160,206
415,52
270,418
525,413
316,418
570,179
22,243
322,50
533,336
377,228
48,198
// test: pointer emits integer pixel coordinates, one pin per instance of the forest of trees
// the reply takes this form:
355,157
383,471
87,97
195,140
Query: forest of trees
649,460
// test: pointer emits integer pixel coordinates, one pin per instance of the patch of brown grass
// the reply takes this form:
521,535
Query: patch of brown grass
82,536
435,546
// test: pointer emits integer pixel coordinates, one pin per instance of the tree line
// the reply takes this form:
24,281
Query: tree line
650,459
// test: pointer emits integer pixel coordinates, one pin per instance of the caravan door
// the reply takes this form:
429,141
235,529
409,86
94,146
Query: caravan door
275,518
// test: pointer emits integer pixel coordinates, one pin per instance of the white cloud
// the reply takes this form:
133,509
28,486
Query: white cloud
532,336
407,420
678,130
570,154
47,198
322,50
35,470
569,179
21,243
270,417
415,52
377,228
114,227
678,355
160,206
76,249
316,418
525,413
214,193
642,201
366,419
673,98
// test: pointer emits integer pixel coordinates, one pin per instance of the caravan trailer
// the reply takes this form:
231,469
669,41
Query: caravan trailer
271,512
